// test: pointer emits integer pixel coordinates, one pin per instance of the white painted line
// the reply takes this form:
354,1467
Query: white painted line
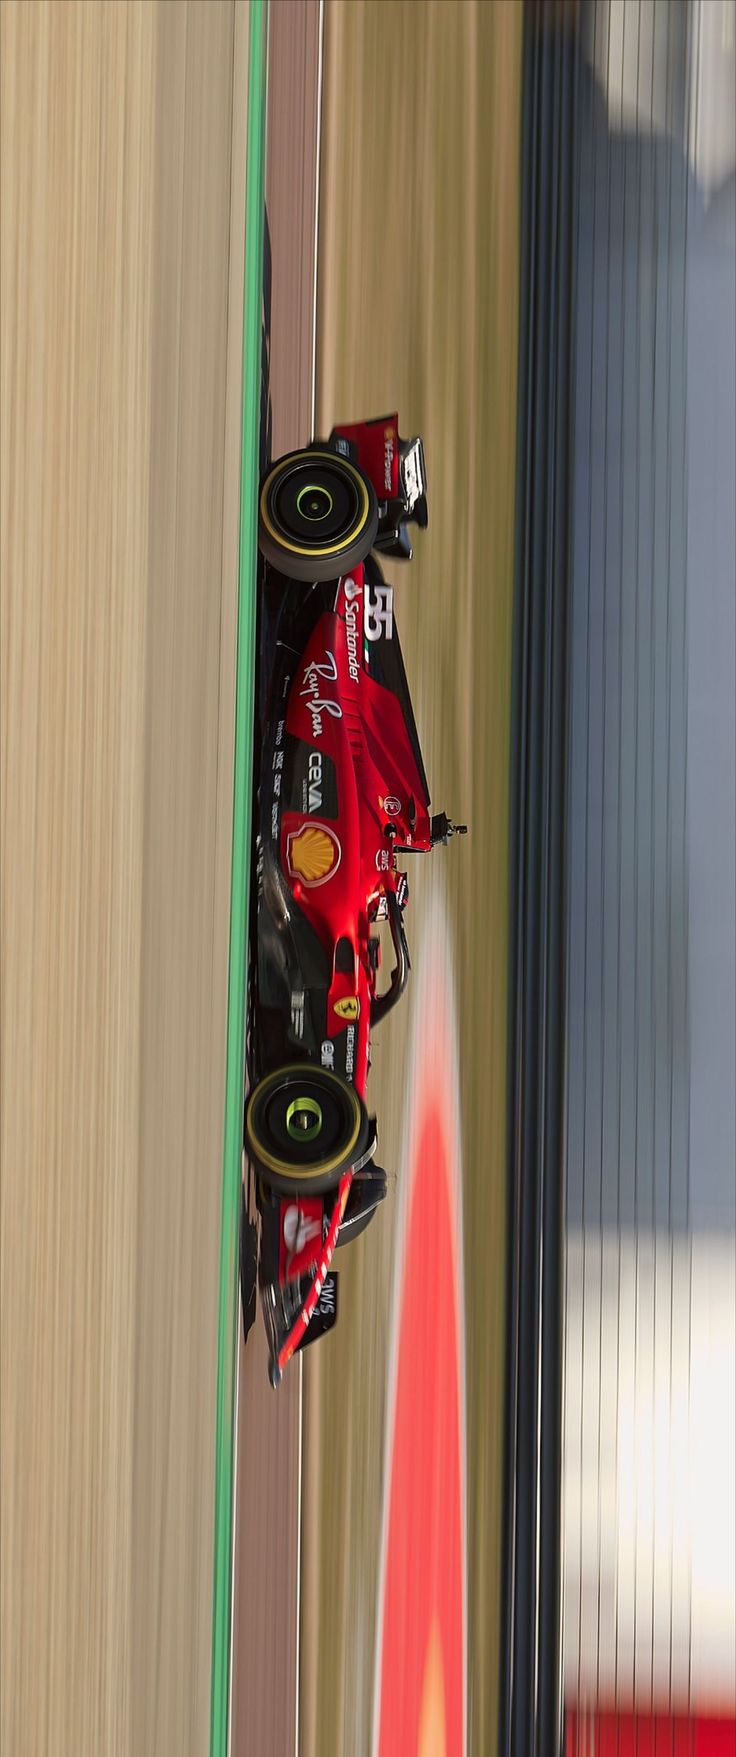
318,151
238,190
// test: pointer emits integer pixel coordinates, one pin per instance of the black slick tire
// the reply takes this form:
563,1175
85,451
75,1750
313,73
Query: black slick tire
304,1127
318,515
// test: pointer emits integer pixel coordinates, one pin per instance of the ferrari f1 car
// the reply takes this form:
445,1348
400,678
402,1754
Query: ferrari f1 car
342,795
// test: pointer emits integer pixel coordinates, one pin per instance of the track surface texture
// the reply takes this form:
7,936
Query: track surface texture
123,172
268,1470
418,310
123,196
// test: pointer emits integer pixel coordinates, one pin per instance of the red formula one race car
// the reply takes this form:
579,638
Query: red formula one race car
342,793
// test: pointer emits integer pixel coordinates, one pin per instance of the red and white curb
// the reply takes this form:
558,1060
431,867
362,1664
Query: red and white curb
420,1698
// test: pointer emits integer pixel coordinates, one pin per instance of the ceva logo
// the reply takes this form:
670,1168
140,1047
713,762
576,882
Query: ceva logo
314,781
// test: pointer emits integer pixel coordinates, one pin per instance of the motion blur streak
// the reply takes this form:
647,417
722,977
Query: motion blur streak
122,164
420,1704
228,1329
650,1353
418,295
604,1733
265,1682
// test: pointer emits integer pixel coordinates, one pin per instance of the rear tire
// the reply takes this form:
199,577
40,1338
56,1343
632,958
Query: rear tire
304,1127
318,515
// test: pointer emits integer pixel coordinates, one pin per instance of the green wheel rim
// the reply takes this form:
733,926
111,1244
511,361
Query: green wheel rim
304,1119
314,502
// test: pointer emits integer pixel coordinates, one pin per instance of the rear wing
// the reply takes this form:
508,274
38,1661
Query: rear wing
398,472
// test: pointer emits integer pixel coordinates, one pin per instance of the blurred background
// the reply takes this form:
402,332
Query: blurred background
650,1148
516,224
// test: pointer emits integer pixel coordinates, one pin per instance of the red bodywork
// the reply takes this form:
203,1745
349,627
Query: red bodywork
356,799
377,446
338,708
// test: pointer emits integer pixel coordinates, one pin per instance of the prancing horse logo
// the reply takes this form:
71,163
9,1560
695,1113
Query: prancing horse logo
348,1007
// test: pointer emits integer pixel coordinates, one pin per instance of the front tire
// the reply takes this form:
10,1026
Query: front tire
304,1127
318,515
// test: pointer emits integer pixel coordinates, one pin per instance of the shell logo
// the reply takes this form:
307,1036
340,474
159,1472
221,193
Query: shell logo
313,854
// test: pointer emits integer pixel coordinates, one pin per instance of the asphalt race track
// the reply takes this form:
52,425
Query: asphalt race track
398,326
227,225
124,178
123,200
418,311
269,1426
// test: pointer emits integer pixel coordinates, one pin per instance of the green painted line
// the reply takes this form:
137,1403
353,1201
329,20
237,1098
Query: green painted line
239,888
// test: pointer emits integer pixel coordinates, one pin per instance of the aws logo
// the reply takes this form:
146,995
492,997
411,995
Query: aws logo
313,854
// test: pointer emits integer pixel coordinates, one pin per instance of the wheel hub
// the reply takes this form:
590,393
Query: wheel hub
314,502
303,1118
